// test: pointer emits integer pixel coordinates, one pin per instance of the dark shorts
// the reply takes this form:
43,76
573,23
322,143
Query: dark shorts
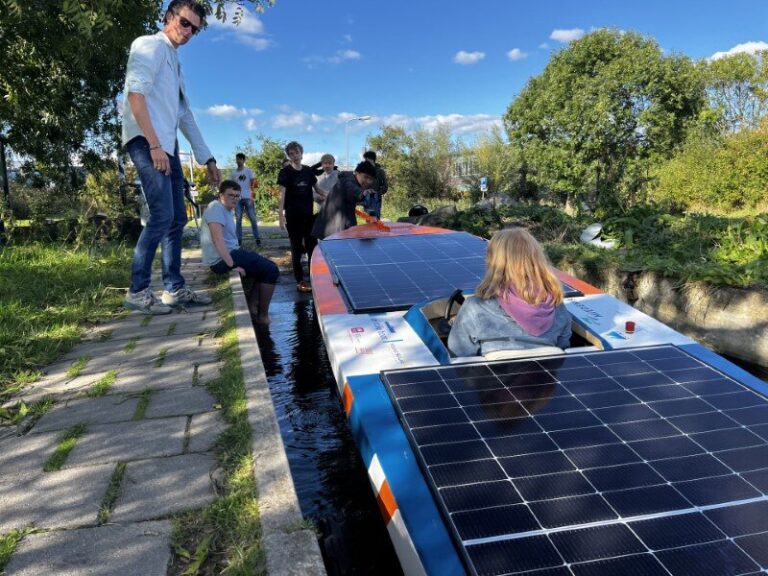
257,267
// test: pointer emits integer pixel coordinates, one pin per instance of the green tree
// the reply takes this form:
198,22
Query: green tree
604,111
737,86
265,159
63,67
493,157
419,165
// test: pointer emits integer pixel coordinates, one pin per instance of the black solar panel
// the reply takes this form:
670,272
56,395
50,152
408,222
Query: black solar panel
396,272
590,465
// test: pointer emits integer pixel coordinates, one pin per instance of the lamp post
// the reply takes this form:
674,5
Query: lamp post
346,131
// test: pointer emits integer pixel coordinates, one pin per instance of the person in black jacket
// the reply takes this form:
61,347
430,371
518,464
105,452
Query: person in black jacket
338,210
380,186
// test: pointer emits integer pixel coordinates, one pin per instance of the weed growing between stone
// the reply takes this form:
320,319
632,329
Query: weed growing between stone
78,366
17,412
141,407
131,345
225,536
9,542
102,386
66,444
110,497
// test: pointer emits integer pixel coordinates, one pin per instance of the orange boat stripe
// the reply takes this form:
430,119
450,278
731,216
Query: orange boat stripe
578,284
386,501
347,398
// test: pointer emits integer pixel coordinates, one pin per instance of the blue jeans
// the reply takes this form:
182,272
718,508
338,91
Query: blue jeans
245,204
372,205
167,218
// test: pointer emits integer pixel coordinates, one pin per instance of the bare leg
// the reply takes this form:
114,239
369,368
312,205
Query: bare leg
264,292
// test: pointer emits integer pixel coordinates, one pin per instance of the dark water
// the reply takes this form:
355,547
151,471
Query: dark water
330,477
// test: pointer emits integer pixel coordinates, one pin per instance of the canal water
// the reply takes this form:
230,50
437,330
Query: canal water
330,477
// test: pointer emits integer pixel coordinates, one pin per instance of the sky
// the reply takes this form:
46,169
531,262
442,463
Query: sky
306,69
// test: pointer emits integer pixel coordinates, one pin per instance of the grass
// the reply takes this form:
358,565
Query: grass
143,404
113,491
131,345
8,543
160,360
49,294
145,322
224,538
17,412
78,366
171,329
66,444
103,384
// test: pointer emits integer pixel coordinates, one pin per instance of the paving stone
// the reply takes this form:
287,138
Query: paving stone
208,371
138,378
179,402
96,350
129,441
63,499
156,488
294,554
89,411
203,431
136,549
25,455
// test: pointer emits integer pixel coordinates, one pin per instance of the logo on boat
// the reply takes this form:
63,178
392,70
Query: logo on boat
615,335
592,316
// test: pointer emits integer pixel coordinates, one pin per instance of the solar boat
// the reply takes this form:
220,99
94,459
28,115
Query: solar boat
636,453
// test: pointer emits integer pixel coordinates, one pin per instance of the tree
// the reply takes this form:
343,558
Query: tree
604,111
737,86
265,161
494,158
63,67
419,165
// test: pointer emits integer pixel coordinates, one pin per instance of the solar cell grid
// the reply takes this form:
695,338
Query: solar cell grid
563,464
396,272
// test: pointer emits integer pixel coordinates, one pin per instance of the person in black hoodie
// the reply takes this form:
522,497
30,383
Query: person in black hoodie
338,210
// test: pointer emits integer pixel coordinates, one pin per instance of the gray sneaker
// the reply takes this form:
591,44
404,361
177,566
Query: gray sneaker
145,302
185,296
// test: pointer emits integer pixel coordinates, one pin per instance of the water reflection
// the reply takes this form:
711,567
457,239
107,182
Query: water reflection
329,475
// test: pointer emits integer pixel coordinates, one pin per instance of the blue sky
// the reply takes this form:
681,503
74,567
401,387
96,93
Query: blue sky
303,67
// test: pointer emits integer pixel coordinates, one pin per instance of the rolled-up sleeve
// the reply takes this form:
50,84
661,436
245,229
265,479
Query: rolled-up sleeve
144,62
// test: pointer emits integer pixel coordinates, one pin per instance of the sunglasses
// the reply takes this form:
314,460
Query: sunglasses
187,24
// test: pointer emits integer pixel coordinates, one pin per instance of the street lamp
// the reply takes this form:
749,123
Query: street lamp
346,131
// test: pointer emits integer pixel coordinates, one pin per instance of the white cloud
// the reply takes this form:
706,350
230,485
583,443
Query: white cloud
248,31
311,158
251,125
463,57
746,48
543,46
459,123
230,111
348,38
516,54
339,57
566,36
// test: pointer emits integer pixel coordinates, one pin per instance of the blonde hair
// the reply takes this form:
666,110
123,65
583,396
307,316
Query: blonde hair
515,259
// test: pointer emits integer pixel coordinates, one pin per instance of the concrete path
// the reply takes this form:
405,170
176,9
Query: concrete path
153,431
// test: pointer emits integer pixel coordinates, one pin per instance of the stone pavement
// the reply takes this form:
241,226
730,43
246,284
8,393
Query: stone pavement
152,428
157,422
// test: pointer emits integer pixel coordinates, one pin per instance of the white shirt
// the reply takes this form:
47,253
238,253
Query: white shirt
155,72
243,177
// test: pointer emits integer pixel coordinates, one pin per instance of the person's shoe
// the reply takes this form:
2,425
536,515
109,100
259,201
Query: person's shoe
145,302
185,296
303,287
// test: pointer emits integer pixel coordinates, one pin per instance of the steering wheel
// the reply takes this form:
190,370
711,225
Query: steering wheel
444,324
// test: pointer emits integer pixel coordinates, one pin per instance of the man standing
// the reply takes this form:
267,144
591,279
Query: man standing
297,185
156,107
380,187
244,177
326,179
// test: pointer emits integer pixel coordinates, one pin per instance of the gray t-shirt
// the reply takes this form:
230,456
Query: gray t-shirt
216,212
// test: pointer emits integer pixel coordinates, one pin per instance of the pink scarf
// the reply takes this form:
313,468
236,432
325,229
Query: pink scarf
535,319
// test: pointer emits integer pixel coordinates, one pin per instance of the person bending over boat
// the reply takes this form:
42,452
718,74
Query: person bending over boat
221,251
338,210
518,304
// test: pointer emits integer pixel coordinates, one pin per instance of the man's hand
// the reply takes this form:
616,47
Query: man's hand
160,160
213,173
239,271
281,219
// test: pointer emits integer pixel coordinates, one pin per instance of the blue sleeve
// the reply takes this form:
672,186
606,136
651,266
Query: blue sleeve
459,341
564,338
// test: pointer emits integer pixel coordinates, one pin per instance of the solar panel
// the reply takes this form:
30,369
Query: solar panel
396,272
644,461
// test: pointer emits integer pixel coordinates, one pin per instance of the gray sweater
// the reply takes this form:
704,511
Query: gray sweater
482,326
